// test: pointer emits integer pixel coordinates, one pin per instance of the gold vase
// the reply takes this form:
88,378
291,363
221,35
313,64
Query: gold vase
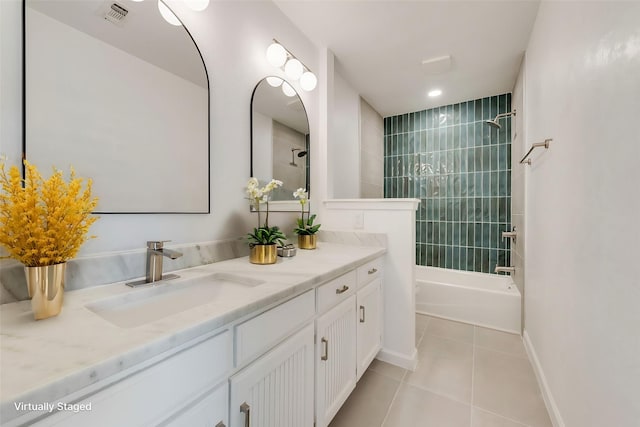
307,241
46,289
263,254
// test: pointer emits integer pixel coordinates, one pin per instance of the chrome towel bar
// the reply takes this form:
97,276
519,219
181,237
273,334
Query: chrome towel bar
544,144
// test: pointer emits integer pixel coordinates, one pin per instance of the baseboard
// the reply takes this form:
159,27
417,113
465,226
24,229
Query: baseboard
399,359
549,401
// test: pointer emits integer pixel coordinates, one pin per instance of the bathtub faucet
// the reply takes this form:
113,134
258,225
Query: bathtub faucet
501,269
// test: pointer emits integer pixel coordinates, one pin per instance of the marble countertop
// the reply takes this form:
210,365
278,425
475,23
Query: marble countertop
43,361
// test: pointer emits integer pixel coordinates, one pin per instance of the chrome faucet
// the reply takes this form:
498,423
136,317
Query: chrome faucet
501,269
155,254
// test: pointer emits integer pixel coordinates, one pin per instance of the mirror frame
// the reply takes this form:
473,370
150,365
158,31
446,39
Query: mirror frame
24,120
292,205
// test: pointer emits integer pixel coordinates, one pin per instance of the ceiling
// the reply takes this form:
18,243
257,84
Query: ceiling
379,46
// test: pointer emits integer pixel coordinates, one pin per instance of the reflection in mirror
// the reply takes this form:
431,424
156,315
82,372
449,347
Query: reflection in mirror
114,90
279,137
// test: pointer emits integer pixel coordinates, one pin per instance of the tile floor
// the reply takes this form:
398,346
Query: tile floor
467,376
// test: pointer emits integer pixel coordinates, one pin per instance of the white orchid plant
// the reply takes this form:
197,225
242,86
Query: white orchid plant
305,227
263,234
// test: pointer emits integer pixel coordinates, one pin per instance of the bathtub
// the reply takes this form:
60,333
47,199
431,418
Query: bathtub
481,299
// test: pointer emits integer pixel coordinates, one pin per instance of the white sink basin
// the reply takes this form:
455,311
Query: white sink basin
148,304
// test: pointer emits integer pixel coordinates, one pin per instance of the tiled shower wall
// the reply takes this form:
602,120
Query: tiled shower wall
460,169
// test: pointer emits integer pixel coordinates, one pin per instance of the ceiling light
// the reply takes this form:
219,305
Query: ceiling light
274,81
280,57
288,90
168,15
276,55
197,5
308,81
435,92
294,69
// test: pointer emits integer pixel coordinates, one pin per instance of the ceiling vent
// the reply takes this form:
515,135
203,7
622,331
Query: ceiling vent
115,13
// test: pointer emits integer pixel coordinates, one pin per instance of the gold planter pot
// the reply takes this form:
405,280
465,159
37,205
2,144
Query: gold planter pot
46,289
307,241
263,254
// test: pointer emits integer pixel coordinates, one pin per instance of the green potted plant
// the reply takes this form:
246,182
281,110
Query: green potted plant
306,230
264,240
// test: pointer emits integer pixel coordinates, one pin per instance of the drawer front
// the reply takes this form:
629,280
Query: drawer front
149,396
255,336
208,411
370,271
335,291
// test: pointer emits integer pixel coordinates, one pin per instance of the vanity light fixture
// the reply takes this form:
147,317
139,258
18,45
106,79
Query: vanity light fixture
168,15
280,57
288,90
197,5
274,81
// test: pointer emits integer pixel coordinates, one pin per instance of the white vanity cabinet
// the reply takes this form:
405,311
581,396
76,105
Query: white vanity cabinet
335,359
210,410
291,365
277,389
162,392
369,325
369,307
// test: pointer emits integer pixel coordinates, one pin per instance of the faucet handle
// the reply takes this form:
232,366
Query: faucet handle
156,244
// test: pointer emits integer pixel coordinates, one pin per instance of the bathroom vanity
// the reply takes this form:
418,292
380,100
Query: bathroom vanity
276,345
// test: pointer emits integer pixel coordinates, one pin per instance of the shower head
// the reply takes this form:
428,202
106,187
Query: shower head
300,154
494,123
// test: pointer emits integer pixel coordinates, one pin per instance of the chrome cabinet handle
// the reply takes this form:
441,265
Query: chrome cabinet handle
362,314
325,354
246,410
220,424
373,271
342,290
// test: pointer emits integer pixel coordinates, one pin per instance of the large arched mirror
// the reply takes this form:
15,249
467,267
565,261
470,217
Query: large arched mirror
279,139
115,90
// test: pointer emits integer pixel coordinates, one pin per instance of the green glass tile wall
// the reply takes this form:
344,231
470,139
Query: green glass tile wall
460,169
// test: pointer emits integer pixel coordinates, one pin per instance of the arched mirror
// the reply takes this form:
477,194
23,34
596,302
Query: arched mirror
279,139
116,90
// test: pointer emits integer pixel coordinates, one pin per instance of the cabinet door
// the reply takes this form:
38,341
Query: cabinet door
208,411
335,359
369,321
277,389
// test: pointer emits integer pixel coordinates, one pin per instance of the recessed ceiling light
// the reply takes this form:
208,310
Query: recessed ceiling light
435,92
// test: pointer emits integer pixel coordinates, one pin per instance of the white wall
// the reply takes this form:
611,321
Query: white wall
582,88
344,140
232,37
371,152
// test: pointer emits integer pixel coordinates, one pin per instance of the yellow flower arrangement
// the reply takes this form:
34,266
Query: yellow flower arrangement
43,222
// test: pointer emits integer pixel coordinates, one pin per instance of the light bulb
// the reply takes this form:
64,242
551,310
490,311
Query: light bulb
435,92
197,5
168,15
308,81
288,90
274,81
276,55
294,69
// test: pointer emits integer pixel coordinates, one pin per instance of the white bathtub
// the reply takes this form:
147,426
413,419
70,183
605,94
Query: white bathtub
481,299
